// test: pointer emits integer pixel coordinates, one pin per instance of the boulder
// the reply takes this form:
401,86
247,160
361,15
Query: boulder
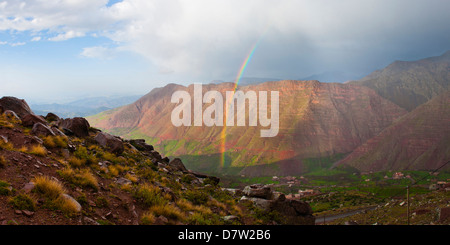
30,119
73,201
110,142
293,212
51,117
259,191
141,145
20,107
78,126
41,130
177,165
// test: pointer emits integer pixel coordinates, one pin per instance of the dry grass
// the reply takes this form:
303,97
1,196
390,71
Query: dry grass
38,150
6,145
55,141
48,187
76,162
54,192
168,211
3,162
151,195
147,218
7,122
79,177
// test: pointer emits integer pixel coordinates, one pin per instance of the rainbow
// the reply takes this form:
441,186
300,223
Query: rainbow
236,83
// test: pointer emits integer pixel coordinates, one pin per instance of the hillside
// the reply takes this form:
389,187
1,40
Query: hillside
411,83
57,171
418,141
317,121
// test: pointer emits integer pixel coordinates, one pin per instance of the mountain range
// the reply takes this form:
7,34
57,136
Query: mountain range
83,107
393,119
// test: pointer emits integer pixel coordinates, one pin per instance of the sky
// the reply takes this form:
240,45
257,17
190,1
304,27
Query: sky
63,50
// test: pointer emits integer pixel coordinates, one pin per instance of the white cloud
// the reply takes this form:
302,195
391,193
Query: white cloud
17,44
67,35
98,52
36,39
210,39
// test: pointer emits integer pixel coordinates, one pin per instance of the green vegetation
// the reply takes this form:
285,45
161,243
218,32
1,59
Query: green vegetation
23,202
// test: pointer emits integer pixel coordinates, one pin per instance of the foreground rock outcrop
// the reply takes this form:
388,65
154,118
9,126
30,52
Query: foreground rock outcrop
292,212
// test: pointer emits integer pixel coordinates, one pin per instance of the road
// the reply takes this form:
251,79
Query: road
322,219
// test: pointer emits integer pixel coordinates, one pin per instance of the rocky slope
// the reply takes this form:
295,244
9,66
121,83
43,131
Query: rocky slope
317,120
62,171
411,83
418,141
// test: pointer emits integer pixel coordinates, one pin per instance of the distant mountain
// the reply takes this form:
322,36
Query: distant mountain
317,121
418,141
331,77
84,107
411,83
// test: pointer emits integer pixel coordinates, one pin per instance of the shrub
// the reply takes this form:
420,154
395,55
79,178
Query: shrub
5,188
147,218
101,202
150,195
197,197
6,145
76,162
55,141
38,150
23,202
168,211
48,187
81,178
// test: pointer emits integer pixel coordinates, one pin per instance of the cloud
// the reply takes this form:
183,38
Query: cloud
98,52
17,44
67,35
36,39
204,39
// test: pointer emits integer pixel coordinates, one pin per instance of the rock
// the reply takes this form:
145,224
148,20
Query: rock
12,115
89,221
110,142
72,200
28,213
1,109
4,139
57,131
20,107
51,117
261,203
161,220
259,191
350,223
18,212
177,165
278,196
78,126
230,218
141,145
123,181
156,155
41,130
30,119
